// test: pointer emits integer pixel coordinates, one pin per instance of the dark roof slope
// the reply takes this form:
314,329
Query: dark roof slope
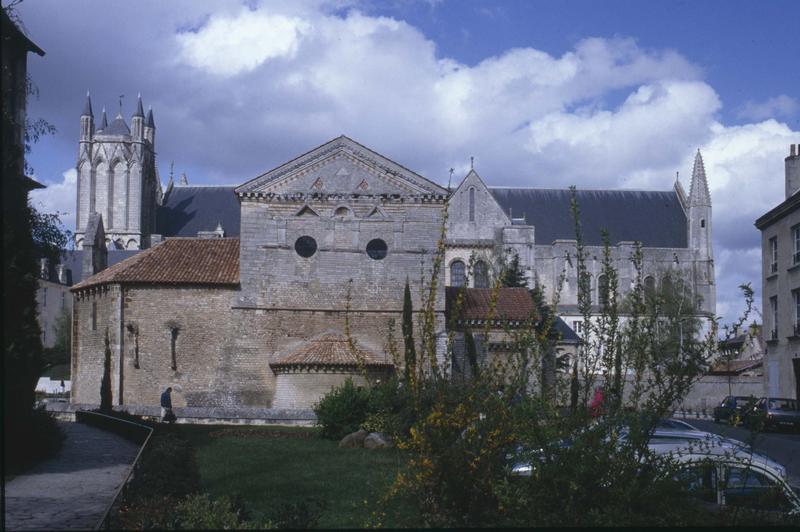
208,261
117,127
187,210
654,218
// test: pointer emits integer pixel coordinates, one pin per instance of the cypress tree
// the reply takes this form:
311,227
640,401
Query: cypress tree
513,276
408,335
472,353
105,384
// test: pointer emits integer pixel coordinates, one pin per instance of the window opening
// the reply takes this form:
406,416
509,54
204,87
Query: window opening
305,246
173,343
471,204
458,273
94,315
377,249
481,275
773,253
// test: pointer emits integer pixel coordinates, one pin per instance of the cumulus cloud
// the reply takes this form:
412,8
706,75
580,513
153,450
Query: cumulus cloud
58,198
237,91
782,106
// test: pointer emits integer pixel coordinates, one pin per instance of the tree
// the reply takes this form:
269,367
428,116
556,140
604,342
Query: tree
512,275
408,335
62,347
27,235
105,383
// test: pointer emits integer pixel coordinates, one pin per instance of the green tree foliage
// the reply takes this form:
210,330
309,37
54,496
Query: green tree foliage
408,335
472,353
466,434
512,275
105,383
62,347
24,240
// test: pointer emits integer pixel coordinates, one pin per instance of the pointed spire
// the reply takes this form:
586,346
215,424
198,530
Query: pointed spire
150,122
698,192
104,120
87,108
139,108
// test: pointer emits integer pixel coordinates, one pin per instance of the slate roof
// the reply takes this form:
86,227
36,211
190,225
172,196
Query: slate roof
513,304
117,127
568,335
330,350
654,218
207,261
189,209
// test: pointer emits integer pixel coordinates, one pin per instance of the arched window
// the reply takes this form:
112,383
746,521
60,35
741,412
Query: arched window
649,286
666,286
602,290
458,273
342,212
481,271
472,204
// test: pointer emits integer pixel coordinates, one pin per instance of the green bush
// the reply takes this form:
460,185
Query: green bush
201,512
343,410
296,515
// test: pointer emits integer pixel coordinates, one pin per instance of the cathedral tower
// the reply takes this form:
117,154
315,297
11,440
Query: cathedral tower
700,235
117,177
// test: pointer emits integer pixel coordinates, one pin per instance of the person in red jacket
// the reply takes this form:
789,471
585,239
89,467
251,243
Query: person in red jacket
596,407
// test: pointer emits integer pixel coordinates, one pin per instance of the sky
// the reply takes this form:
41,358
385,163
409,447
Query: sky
611,94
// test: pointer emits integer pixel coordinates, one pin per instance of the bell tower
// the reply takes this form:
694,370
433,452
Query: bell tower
117,177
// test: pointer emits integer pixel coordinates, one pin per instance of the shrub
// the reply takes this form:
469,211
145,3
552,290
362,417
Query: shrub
201,512
343,410
302,514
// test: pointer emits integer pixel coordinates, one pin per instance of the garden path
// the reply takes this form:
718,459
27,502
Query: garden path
72,489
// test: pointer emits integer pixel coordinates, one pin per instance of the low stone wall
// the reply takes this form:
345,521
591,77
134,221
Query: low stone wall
202,415
710,390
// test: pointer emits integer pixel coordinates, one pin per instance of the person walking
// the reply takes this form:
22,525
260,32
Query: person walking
166,406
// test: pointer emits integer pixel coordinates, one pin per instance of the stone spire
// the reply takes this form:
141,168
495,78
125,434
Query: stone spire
698,192
150,122
103,120
87,108
139,108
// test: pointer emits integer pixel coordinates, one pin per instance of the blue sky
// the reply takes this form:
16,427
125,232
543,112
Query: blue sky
612,94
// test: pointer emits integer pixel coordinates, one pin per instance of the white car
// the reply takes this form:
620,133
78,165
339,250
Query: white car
728,477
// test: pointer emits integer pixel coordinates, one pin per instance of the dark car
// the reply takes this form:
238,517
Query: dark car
733,404
775,413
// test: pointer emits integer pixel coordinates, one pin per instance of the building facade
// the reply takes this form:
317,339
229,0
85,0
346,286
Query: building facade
246,302
780,286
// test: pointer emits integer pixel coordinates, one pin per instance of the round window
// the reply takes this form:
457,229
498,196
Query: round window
377,249
305,246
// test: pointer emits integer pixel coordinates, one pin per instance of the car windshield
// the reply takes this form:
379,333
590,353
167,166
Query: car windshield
782,404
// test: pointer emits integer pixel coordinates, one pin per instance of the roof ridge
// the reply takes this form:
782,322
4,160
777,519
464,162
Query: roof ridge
582,189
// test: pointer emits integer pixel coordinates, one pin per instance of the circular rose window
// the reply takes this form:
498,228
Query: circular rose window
377,249
305,246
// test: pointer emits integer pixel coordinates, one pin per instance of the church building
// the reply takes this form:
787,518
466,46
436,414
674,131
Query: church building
243,296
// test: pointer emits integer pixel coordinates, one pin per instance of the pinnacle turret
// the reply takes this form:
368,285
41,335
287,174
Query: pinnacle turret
139,108
698,192
87,108
103,120
150,122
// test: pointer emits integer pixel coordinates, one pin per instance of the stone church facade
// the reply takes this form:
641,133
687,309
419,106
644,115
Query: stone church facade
248,299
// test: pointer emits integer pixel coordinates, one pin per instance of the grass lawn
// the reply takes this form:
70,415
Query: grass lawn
268,466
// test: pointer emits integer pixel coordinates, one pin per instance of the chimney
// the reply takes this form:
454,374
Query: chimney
793,170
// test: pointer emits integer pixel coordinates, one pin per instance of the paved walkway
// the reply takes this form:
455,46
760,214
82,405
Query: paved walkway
72,489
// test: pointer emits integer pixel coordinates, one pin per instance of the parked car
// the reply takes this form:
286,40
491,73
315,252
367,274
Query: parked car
718,476
672,423
775,413
733,404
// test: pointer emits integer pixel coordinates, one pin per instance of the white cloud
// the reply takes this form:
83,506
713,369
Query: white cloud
228,45
249,89
782,106
58,198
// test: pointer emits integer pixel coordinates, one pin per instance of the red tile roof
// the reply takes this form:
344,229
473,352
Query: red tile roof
330,350
511,304
209,261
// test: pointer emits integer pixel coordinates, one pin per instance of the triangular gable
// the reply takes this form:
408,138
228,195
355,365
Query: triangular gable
403,179
377,212
472,179
306,210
